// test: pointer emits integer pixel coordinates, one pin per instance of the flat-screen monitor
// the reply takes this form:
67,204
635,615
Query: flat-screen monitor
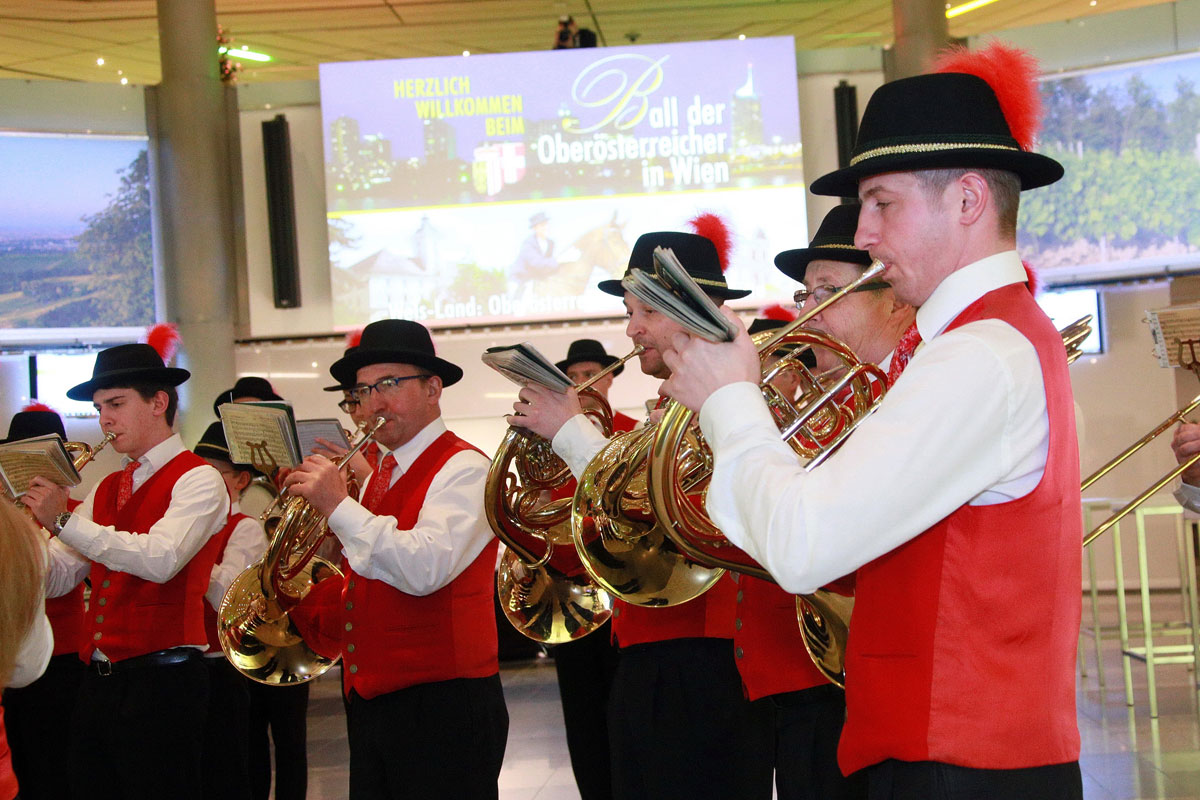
1127,138
502,188
76,263
56,373
1066,306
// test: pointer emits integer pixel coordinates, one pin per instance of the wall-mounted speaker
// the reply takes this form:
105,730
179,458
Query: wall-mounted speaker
281,212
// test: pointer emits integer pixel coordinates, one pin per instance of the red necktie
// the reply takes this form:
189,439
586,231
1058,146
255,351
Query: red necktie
371,453
380,481
904,352
125,486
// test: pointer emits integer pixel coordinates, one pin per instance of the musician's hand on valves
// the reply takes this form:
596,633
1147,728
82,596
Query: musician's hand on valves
46,500
1186,443
359,467
543,411
699,367
320,482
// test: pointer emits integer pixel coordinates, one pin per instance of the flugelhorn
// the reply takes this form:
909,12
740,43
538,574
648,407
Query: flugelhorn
253,623
543,602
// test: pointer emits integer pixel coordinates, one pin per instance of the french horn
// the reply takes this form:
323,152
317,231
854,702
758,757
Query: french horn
548,600
253,622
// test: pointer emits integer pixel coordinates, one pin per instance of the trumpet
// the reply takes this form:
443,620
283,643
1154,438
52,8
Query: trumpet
256,633
539,600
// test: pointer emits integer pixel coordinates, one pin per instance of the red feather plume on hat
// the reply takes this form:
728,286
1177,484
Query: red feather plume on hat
354,338
778,312
1012,73
39,407
713,228
164,338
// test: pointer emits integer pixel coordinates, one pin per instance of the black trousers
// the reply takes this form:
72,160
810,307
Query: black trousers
223,765
806,727
930,780
434,740
138,734
284,711
680,727
586,668
38,720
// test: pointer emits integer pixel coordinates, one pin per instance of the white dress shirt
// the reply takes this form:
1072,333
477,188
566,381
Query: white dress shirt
965,423
450,532
577,443
35,652
246,545
1188,496
199,508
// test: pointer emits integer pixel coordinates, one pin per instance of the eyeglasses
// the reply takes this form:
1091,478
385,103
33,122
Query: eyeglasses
823,293
385,387
348,405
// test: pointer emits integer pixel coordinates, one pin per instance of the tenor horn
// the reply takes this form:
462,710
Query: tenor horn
253,623
546,602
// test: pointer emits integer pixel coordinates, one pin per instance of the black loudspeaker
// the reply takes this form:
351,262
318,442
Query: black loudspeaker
281,212
845,110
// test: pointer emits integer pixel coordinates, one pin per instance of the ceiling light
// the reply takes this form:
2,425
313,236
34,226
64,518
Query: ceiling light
741,37
466,52
958,10
249,55
99,62
124,81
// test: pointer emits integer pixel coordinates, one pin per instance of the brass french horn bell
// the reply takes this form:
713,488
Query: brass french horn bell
544,602
253,623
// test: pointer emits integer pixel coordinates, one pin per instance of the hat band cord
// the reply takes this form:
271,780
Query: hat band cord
904,149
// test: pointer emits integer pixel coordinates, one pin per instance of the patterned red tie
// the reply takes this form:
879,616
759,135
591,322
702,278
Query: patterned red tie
380,481
125,486
371,453
904,352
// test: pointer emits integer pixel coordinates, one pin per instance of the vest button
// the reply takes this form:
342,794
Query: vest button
349,606
738,652
99,618
353,669
737,623
349,648
349,626
351,586
96,636
104,584
616,612
103,601
739,596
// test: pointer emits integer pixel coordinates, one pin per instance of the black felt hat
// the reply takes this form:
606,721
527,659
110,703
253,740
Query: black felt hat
943,120
34,422
696,253
398,341
213,444
249,386
834,242
125,365
588,350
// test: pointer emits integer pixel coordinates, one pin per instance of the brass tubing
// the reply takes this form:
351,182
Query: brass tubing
1141,498
874,271
1140,443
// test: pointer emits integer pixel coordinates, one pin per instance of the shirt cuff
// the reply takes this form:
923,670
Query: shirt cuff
1188,497
80,533
348,518
577,443
732,410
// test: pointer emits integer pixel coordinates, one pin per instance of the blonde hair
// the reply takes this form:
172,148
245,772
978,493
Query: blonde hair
22,570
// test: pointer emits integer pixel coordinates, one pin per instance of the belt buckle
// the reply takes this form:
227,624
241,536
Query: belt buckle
103,667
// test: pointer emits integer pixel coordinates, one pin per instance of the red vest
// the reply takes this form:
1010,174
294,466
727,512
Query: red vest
963,641
210,613
767,644
8,778
394,640
130,616
708,616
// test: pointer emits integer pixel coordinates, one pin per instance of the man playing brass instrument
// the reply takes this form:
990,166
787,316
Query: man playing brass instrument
146,536
413,618
664,743
807,710
961,493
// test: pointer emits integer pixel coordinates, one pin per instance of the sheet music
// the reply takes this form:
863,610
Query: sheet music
262,434
672,291
524,364
309,430
41,456
1171,327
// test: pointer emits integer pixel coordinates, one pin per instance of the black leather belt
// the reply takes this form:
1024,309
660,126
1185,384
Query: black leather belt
162,658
